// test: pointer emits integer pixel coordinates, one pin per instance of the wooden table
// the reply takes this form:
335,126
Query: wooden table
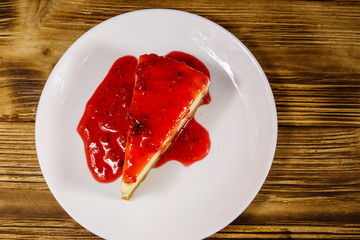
310,52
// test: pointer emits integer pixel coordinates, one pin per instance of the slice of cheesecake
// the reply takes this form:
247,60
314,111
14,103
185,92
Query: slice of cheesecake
166,94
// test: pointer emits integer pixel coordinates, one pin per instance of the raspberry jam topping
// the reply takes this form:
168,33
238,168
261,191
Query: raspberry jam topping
106,122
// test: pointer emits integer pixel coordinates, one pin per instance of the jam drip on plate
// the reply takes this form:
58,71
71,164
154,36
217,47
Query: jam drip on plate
191,144
104,125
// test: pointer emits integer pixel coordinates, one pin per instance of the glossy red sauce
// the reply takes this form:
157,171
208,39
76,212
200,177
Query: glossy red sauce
191,144
105,124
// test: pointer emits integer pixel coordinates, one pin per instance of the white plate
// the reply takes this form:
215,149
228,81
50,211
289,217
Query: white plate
175,202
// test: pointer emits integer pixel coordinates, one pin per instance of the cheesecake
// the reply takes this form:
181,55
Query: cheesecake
165,96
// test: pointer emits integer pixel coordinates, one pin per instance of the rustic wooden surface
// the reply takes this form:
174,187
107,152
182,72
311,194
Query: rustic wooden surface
310,52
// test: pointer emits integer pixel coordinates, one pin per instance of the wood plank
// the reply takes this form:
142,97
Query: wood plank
40,228
287,232
56,228
19,167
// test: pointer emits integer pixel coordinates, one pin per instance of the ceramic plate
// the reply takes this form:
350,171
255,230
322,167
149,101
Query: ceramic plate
175,202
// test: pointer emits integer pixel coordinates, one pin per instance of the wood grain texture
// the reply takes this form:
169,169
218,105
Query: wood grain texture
310,52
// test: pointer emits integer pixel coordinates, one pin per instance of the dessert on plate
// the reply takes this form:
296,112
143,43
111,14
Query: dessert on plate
136,113
166,95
